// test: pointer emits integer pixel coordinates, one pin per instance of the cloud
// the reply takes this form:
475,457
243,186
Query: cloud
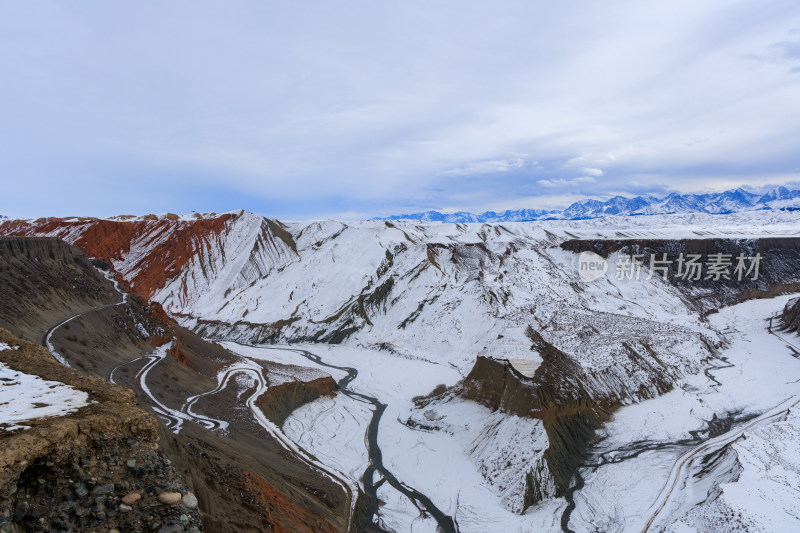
783,52
487,167
552,183
788,50
593,172
301,113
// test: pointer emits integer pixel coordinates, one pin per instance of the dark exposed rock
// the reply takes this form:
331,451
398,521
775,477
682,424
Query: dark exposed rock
279,401
104,489
538,482
555,395
778,271
497,385
20,510
790,318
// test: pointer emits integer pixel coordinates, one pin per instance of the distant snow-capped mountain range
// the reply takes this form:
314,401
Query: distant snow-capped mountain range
732,201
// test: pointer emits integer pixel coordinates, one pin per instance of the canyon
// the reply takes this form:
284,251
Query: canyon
396,375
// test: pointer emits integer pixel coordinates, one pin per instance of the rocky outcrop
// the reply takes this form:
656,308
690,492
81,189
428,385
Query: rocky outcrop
97,468
539,484
556,395
497,385
279,401
567,400
790,317
605,247
778,270
239,331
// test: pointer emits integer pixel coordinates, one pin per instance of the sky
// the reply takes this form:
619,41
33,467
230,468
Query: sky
350,110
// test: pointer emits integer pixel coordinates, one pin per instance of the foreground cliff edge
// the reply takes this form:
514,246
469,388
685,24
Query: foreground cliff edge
77,471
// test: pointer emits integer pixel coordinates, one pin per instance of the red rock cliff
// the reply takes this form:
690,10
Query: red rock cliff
169,242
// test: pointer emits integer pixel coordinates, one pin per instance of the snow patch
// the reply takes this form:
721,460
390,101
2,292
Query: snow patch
27,397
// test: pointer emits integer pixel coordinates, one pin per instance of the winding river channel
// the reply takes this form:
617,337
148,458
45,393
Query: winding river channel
421,501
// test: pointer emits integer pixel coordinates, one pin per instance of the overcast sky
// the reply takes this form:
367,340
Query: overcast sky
356,109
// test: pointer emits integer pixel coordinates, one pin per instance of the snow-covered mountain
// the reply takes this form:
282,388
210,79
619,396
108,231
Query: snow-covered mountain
395,284
779,193
518,215
732,201
530,361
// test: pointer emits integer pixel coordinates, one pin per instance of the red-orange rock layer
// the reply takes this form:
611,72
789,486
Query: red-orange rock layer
283,512
170,242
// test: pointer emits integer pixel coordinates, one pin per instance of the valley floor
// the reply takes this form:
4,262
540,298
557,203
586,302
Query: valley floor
629,486
727,429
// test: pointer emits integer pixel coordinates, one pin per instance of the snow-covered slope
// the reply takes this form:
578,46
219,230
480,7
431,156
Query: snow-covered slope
249,248
677,461
761,491
475,462
447,292
444,292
